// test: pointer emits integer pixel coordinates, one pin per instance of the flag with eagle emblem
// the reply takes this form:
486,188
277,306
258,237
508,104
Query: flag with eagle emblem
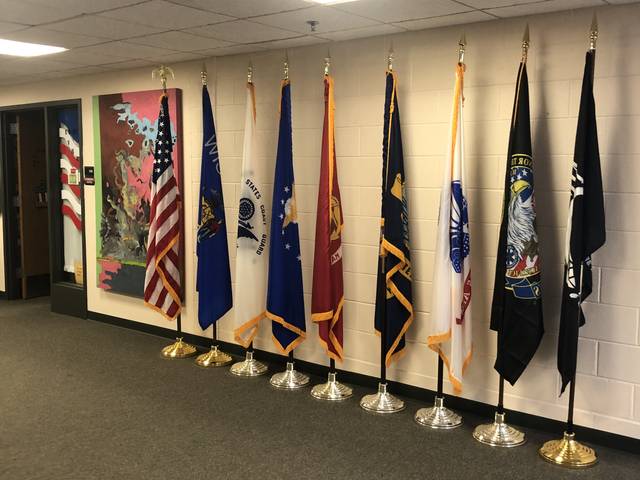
251,252
394,307
214,276
450,334
516,311
285,298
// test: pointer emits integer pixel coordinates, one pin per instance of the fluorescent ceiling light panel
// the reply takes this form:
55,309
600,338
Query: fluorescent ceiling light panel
330,2
24,49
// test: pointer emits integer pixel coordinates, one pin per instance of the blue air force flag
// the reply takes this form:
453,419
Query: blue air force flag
214,276
285,301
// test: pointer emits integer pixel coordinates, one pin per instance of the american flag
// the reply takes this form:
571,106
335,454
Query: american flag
162,279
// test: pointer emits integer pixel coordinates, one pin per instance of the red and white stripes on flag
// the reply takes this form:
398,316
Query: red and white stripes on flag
162,279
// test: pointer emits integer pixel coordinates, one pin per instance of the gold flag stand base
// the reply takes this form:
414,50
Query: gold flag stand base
568,453
178,349
213,358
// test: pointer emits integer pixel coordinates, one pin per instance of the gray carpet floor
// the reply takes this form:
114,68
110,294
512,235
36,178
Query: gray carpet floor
85,400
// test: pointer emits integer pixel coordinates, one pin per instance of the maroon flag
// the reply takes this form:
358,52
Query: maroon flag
327,297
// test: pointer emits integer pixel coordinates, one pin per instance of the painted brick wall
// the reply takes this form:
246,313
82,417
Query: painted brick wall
608,384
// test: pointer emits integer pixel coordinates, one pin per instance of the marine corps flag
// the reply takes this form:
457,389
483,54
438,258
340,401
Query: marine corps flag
585,228
251,253
394,309
327,296
516,312
214,276
451,310
285,301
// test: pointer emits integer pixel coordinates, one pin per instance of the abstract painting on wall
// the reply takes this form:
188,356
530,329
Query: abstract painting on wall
125,126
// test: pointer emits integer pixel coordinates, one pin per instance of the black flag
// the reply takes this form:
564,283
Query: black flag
585,226
516,312
393,291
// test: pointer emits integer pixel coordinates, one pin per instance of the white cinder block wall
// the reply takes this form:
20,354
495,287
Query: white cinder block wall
608,383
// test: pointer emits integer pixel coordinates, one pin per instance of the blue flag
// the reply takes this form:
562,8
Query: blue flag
285,300
214,276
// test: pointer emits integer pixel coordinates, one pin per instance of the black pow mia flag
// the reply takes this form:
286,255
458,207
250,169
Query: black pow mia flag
585,227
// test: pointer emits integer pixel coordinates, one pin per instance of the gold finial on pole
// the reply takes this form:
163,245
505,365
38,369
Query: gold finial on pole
390,59
593,34
250,73
203,75
161,72
461,46
525,43
285,74
327,63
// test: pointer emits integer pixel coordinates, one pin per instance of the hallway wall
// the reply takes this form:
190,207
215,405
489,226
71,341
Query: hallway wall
2,281
608,384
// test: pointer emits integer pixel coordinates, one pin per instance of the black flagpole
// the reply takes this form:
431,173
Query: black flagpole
440,393
500,408
572,396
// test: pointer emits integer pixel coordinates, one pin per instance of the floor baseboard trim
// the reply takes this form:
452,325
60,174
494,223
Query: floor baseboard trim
526,420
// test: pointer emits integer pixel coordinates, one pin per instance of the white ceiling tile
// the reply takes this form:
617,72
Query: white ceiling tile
176,57
232,50
543,7
138,63
20,12
398,10
130,50
457,19
72,72
497,3
300,41
10,27
384,29
330,20
87,56
102,27
48,37
33,66
76,7
246,8
162,14
243,31
181,41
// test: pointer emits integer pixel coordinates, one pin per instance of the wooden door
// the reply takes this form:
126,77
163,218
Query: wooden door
33,199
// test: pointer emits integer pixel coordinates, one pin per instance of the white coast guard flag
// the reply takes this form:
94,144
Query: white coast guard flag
451,309
251,254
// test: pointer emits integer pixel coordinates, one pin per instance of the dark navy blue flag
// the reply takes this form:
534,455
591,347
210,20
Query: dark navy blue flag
285,300
214,275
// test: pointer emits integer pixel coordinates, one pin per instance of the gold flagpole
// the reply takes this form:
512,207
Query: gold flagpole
214,357
567,452
179,348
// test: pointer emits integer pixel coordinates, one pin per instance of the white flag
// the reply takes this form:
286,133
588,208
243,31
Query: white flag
451,309
251,258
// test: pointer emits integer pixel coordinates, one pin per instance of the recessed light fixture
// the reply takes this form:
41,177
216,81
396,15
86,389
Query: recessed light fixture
24,49
330,2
